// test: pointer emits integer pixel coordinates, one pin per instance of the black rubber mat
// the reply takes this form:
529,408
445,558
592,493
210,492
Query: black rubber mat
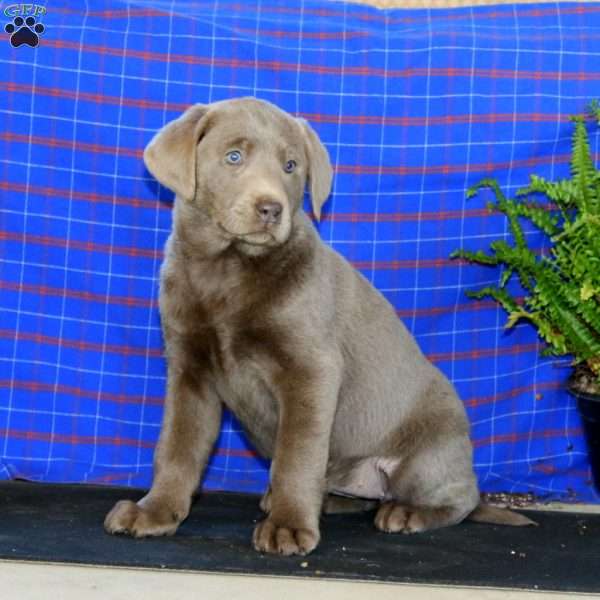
64,524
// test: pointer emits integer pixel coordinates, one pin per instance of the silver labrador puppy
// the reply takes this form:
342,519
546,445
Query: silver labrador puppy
261,316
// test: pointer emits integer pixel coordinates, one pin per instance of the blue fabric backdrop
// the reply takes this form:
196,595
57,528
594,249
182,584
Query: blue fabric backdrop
414,106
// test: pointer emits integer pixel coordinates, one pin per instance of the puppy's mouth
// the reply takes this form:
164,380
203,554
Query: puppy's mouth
257,237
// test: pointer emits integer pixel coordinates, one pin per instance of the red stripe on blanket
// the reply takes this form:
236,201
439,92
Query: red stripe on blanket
513,393
54,142
57,242
369,14
62,438
303,35
377,170
513,438
81,345
36,386
277,65
476,353
473,354
377,120
45,290
76,194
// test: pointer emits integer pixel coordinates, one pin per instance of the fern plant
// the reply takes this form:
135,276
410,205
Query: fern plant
562,288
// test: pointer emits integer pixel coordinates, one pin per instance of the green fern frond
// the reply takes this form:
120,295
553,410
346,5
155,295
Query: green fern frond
540,216
499,295
563,193
567,295
506,276
511,209
521,260
563,287
479,257
503,204
487,182
582,166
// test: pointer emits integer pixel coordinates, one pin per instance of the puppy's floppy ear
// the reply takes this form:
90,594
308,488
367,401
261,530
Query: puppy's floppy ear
171,154
320,173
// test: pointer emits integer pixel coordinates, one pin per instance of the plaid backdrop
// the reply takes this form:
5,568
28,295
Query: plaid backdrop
413,106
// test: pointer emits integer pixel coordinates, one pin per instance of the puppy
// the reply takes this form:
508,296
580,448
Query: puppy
262,317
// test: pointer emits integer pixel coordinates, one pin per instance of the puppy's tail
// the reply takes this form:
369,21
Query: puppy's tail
484,513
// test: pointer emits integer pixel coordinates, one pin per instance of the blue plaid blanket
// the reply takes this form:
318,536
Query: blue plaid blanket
414,106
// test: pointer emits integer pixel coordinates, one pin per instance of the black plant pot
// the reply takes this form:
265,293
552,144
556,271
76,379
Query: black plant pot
589,409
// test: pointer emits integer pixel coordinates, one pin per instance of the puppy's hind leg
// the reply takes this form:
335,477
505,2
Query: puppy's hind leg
394,517
437,488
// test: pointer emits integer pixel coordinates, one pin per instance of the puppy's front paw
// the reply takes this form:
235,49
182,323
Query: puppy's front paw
130,518
280,539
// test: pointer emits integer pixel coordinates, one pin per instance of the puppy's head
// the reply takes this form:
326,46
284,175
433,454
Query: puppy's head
245,163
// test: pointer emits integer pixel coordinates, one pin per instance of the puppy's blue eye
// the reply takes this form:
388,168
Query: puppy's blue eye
290,165
234,157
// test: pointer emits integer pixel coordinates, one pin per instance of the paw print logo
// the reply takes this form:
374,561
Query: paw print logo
24,31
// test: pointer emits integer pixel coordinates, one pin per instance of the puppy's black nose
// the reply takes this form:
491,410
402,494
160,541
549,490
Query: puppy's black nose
269,211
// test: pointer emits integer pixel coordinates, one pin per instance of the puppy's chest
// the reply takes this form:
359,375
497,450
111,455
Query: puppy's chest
239,363
226,334
228,341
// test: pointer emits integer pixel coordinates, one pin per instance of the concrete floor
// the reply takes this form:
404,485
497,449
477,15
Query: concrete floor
41,581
